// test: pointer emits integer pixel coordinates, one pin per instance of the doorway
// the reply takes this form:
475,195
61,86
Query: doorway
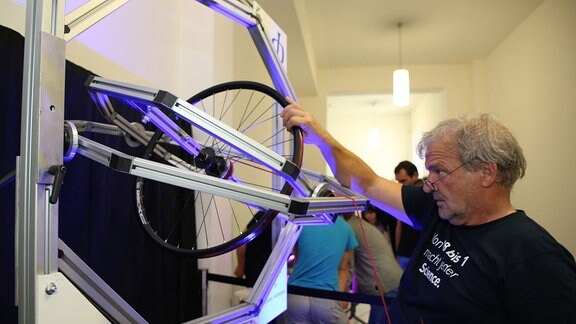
380,133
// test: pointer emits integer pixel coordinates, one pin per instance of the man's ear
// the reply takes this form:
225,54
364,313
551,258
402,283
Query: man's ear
489,173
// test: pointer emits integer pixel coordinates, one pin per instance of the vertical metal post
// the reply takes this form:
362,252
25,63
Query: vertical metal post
41,146
204,274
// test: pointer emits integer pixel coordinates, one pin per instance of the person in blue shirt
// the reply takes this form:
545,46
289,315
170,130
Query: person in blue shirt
322,253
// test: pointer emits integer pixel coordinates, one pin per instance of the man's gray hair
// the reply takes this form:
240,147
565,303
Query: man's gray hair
480,138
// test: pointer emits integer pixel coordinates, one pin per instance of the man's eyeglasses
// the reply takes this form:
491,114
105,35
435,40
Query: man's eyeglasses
433,184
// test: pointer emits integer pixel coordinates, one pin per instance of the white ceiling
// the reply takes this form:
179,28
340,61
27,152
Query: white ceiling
382,102
326,34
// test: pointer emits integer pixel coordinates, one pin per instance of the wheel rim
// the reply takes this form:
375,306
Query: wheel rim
219,225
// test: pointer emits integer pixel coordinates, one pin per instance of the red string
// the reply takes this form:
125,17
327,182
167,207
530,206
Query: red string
378,282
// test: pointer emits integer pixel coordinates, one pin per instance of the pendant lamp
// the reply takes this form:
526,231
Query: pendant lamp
400,78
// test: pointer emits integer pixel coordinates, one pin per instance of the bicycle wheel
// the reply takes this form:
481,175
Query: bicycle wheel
197,224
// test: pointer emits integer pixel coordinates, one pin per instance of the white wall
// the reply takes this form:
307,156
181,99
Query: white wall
247,62
12,14
149,43
350,127
531,78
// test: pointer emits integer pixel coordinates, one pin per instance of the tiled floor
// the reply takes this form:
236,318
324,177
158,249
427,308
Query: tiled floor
362,312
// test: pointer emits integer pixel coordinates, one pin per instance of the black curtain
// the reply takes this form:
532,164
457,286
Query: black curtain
97,212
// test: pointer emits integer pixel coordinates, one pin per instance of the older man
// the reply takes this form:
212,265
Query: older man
478,260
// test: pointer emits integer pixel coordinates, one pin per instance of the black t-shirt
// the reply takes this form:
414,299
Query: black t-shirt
408,239
507,271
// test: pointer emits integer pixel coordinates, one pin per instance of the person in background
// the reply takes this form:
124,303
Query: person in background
407,173
405,236
479,259
252,257
322,253
379,220
374,255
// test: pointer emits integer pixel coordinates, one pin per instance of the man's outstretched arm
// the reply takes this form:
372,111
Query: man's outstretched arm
347,167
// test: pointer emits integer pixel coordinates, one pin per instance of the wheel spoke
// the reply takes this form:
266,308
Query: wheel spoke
216,225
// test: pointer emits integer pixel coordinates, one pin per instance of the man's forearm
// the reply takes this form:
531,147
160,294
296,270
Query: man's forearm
354,173
343,278
346,166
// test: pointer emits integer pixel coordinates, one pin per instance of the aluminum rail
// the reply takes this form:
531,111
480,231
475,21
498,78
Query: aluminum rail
295,207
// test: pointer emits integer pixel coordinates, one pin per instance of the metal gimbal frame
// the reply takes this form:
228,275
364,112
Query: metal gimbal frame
40,168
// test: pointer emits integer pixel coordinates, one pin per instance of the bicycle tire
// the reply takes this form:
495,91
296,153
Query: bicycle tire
160,228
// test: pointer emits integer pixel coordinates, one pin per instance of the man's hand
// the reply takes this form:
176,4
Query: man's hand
294,116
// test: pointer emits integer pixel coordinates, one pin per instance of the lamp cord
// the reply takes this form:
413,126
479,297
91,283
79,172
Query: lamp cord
400,44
